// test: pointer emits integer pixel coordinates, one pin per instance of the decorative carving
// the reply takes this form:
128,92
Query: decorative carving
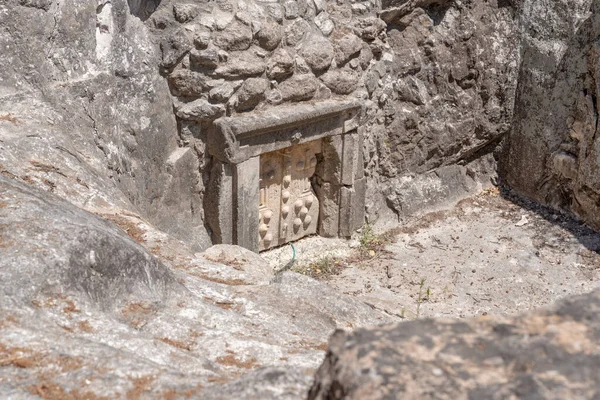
286,196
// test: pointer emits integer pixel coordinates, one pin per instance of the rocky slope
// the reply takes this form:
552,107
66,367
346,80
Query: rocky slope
86,311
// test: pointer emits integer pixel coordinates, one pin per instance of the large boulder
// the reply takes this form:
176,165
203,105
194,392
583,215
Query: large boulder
548,354
49,246
81,299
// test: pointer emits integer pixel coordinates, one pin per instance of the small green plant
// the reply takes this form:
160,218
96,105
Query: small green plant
422,296
372,243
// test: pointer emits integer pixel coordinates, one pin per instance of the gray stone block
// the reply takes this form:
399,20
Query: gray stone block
346,198
330,167
246,183
329,209
352,208
218,203
360,162
358,207
350,158
235,139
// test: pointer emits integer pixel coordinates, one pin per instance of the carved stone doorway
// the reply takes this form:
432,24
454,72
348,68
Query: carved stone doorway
288,206
260,193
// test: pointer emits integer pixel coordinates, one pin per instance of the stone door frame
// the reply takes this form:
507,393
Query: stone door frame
236,143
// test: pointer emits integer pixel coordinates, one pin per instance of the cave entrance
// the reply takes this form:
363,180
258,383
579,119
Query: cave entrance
281,174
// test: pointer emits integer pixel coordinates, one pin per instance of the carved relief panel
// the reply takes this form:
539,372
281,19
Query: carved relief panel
288,207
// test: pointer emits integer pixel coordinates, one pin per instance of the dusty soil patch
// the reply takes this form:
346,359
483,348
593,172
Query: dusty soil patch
492,253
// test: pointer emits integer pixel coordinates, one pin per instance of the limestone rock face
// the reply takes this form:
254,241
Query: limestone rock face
547,354
200,110
236,36
187,83
280,65
61,249
554,134
437,80
346,48
299,88
241,66
83,86
341,81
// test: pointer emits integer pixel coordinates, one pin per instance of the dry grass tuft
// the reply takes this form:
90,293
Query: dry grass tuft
323,268
373,244
9,118
180,344
231,360
85,326
130,227
140,387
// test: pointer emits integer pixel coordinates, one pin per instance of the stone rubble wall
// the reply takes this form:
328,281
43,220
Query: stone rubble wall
437,81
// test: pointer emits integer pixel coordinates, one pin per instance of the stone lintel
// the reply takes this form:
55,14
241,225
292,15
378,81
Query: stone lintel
236,139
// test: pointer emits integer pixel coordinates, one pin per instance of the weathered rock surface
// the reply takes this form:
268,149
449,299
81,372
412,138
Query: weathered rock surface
51,246
280,65
251,93
554,133
347,47
87,311
236,36
341,81
200,110
317,52
91,119
548,354
106,105
299,88
270,34
187,83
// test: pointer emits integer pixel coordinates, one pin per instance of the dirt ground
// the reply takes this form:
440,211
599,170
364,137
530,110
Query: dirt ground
490,254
